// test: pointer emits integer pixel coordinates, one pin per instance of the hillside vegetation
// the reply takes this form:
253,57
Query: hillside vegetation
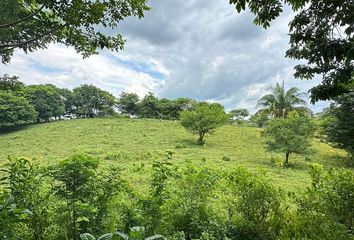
133,144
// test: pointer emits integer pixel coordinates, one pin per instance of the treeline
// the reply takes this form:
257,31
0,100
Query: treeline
20,104
77,196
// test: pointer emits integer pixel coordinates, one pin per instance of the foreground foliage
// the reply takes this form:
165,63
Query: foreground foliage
76,200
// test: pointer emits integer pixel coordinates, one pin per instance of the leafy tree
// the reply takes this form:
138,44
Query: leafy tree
15,110
11,84
321,33
91,101
340,127
33,24
259,120
238,114
128,103
68,98
149,107
47,101
74,182
280,102
289,135
204,119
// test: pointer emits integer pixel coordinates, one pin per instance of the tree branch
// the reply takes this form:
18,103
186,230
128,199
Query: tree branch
23,19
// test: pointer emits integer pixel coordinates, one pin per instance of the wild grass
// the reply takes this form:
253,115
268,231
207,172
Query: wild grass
133,144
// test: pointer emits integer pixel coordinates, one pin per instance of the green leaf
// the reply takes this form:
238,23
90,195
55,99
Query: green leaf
107,236
87,236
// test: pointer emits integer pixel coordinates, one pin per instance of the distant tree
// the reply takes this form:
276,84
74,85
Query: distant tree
238,114
68,98
128,103
321,34
280,102
11,84
289,135
339,129
47,101
30,25
149,107
204,119
259,120
15,110
90,101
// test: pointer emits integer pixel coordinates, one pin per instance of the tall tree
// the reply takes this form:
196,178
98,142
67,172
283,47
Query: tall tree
128,103
15,110
11,84
149,107
33,24
280,102
204,119
47,101
90,101
321,33
339,130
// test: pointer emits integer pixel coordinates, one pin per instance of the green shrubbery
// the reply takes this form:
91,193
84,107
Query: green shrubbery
192,202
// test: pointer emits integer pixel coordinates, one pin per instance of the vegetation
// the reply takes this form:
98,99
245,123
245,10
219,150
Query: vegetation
339,123
64,203
290,135
280,102
204,119
33,24
321,33
15,111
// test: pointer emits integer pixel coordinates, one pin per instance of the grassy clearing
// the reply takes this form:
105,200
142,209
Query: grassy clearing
133,144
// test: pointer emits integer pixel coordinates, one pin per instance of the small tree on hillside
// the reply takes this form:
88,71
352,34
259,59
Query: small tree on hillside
289,135
238,114
204,119
128,103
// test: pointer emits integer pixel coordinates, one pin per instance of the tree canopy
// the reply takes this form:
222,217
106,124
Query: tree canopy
280,102
204,119
289,135
321,33
15,110
33,24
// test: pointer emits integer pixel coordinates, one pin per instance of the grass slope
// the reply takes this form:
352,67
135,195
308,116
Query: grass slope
134,144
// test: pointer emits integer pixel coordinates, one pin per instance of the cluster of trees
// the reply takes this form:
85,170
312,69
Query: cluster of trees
20,104
77,198
152,107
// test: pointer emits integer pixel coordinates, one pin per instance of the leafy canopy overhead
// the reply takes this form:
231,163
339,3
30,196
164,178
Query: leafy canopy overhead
33,24
321,33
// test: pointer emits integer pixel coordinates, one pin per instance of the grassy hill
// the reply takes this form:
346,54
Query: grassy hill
133,144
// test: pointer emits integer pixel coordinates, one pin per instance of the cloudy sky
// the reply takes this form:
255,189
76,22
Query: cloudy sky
200,49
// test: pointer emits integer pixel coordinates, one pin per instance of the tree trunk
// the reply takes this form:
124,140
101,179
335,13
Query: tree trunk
201,138
287,158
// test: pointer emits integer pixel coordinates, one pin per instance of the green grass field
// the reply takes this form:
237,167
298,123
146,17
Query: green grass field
133,144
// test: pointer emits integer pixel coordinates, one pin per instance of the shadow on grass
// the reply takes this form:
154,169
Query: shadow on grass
188,143
8,130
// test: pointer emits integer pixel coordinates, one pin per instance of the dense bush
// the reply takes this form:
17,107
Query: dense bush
78,199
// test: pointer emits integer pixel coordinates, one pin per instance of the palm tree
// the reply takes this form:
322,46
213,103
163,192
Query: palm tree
280,102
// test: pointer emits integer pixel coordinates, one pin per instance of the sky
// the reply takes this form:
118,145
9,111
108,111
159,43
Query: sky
201,49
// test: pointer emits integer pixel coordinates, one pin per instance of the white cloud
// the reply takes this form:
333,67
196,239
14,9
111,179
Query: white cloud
199,48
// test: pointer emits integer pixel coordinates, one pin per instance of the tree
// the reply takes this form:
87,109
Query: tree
15,110
238,114
321,33
289,135
128,103
11,84
91,101
47,101
68,98
340,128
280,102
204,119
149,107
33,24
